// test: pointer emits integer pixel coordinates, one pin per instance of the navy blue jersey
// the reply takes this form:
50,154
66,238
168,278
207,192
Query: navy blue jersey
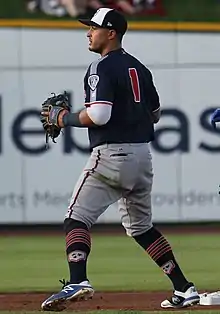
121,81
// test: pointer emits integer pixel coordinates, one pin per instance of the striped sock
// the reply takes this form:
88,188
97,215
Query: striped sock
158,248
78,246
160,251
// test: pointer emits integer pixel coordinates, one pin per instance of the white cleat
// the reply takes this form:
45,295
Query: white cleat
182,299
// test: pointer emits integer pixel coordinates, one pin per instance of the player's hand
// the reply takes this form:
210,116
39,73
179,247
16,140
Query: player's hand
215,117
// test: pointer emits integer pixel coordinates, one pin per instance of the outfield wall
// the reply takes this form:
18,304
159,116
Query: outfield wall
35,63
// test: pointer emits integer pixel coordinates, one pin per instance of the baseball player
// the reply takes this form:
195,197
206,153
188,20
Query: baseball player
122,106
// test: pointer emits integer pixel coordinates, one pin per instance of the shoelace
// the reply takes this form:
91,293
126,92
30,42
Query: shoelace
64,283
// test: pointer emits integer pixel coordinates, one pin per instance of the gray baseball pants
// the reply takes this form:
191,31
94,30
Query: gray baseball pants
116,173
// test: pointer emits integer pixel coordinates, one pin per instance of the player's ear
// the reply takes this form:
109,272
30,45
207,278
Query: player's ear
112,34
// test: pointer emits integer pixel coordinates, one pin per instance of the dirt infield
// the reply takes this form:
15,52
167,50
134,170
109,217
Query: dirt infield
101,301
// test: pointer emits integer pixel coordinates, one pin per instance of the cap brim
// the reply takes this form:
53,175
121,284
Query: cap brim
88,22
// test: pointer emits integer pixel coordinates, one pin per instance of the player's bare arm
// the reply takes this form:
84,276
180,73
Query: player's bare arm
94,115
64,118
77,119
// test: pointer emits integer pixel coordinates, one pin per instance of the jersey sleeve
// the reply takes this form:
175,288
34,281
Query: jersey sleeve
153,95
99,86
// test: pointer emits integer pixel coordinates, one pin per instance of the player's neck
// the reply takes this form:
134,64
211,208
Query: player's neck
109,49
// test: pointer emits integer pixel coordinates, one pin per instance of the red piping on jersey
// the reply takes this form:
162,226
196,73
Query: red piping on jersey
99,102
88,173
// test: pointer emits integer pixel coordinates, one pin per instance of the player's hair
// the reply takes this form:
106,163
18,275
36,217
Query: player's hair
120,37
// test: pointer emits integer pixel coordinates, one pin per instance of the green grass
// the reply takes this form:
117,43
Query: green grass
36,263
192,10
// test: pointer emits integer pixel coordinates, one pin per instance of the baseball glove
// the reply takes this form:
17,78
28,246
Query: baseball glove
51,109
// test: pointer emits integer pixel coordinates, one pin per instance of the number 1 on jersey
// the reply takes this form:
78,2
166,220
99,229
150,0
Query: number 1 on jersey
135,84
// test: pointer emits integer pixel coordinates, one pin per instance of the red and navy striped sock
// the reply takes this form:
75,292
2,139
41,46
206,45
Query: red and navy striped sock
78,246
160,251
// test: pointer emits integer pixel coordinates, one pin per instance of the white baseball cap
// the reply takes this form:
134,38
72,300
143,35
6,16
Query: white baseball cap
107,18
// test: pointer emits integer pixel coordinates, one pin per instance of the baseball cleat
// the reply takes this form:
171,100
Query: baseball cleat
182,299
69,293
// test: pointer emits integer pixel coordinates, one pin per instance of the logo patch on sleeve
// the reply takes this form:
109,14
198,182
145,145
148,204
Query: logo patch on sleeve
93,81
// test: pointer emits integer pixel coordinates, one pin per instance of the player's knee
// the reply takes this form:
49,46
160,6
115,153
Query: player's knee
70,224
137,230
